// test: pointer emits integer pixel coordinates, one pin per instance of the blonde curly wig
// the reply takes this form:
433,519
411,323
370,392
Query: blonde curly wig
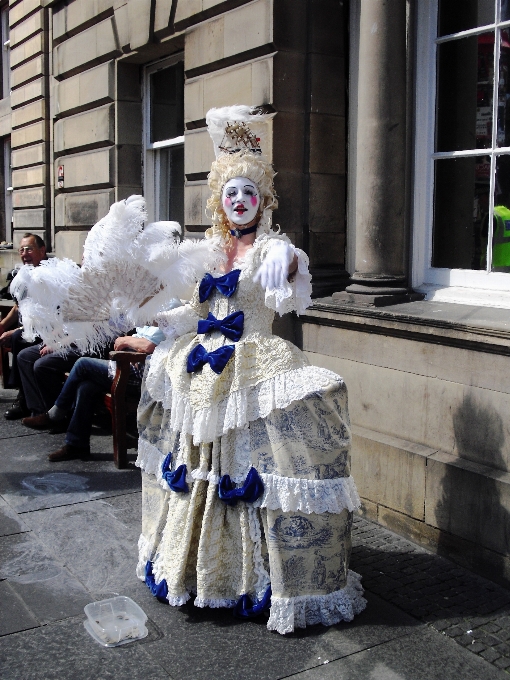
243,164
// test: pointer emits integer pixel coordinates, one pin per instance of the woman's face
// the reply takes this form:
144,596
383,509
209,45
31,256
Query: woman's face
241,200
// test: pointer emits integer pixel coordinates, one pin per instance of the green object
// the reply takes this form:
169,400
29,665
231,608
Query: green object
501,237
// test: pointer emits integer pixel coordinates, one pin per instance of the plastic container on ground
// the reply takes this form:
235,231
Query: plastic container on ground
115,621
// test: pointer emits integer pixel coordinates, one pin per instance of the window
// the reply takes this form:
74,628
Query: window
462,169
164,140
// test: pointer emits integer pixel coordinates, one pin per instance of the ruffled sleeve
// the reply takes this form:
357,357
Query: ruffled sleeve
294,295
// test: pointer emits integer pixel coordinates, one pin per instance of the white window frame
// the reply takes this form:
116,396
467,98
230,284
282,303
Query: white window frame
450,285
151,184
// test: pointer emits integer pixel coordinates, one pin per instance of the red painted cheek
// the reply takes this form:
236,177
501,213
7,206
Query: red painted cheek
228,202
254,200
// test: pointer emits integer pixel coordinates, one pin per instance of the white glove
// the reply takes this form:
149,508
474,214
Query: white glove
274,271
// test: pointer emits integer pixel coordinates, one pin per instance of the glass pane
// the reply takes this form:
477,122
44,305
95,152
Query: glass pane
461,205
171,184
505,10
464,93
167,103
455,16
501,221
503,136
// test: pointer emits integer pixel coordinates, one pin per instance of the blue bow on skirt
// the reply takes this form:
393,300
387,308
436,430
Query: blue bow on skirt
217,360
231,326
226,284
176,480
252,489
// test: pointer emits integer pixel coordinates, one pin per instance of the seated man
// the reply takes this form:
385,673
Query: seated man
88,380
32,251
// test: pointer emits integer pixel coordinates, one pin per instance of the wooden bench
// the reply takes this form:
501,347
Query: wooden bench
120,403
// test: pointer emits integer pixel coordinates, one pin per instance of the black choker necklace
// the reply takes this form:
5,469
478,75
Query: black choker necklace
242,232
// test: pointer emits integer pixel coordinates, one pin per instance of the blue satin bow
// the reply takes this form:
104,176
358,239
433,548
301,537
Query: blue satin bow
252,489
245,608
231,326
159,590
217,359
176,480
226,284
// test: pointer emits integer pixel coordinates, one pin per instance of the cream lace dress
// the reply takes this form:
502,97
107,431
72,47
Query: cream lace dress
269,410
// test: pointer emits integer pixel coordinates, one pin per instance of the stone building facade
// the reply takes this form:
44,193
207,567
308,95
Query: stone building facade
105,98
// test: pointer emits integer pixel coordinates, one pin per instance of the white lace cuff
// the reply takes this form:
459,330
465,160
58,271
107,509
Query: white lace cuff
288,613
293,295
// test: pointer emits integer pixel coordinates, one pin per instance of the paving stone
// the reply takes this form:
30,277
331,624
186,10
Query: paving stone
490,655
502,662
65,650
15,615
10,521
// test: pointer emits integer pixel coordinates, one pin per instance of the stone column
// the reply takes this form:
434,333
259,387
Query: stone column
380,275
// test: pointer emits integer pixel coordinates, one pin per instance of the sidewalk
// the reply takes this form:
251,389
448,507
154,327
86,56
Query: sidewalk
68,535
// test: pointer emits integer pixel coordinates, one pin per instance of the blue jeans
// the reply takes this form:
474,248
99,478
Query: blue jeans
86,383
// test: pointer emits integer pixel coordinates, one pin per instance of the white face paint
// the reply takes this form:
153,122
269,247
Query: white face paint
240,199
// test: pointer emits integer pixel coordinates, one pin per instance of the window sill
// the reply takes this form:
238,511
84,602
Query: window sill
477,328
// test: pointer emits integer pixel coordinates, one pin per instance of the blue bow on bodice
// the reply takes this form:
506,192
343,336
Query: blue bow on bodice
252,489
217,360
176,480
231,326
226,284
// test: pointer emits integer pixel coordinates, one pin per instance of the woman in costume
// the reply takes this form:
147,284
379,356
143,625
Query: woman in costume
244,447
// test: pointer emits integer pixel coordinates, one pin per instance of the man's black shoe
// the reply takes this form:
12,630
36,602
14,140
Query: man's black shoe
18,410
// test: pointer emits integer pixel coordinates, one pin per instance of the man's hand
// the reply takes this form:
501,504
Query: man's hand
5,338
45,350
128,342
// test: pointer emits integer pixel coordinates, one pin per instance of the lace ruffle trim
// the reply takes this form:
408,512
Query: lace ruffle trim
289,613
240,407
280,493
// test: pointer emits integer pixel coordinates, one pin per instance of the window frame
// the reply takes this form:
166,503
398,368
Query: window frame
152,159
451,285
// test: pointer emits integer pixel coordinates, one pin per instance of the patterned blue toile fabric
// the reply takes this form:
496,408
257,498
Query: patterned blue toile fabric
253,508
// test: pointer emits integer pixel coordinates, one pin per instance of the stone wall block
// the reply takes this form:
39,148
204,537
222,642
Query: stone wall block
326,19
289,189
327,249
262,82
328,84
91,168
95,44
29,49
228,87
288,144
327,144
193,205
390,471
27,28
199,152
85,89
129,123
247,27
29,71
30,220
82,209
27,93
121,14
469,501
29,135
186,9
70,244
29,198
129,165
162,15
29,155
75,14
194,100
327,201
289,81
85,129
29,176
290,22
22,9
29,113
139,12
204,44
